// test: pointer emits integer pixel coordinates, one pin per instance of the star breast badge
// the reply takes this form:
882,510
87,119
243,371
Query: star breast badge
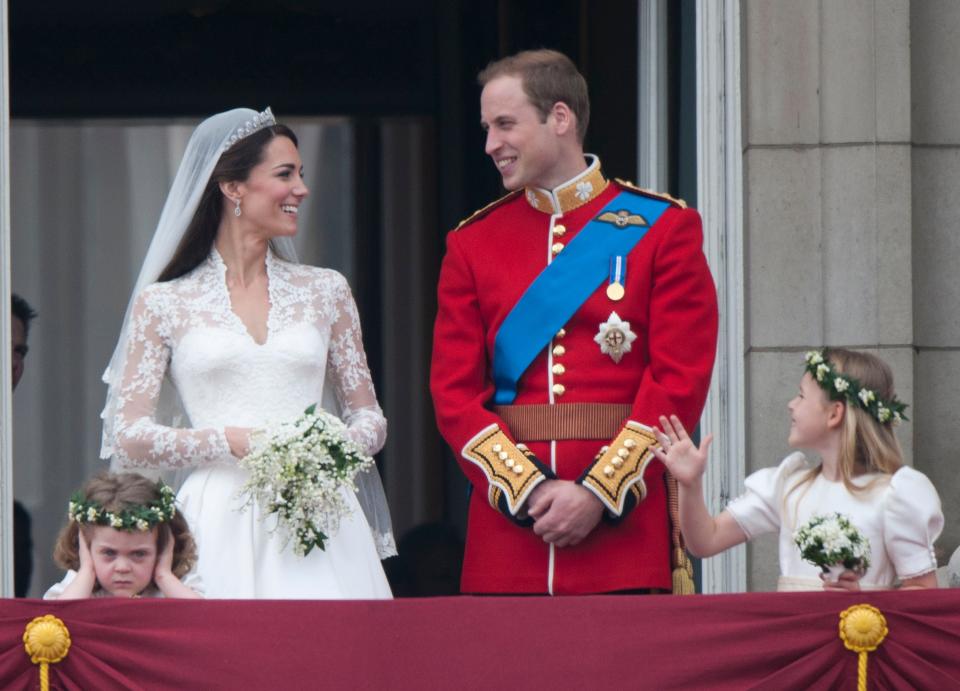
615,337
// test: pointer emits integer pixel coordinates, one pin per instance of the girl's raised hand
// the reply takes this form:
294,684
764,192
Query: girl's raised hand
678,453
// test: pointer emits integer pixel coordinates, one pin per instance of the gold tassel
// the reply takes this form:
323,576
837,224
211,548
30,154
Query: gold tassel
682,568
862,629
683,575
47,641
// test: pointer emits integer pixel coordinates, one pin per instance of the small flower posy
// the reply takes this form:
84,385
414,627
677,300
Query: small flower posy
141,518
840,386
832,540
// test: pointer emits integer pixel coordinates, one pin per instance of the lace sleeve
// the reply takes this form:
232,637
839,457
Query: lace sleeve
350,376
139,441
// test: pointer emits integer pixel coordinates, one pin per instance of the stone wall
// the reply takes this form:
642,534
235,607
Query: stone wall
851,124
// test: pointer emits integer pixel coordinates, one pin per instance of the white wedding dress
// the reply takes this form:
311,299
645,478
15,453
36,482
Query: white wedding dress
224,378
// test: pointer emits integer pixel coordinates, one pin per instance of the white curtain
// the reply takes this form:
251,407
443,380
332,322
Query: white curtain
85,198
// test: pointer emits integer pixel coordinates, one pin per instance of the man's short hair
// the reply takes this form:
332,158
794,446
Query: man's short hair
22,310
548,76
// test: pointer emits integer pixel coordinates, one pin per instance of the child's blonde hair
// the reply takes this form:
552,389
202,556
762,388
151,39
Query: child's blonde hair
119,492
866,444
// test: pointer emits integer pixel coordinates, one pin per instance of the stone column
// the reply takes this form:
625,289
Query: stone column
935,53
827,170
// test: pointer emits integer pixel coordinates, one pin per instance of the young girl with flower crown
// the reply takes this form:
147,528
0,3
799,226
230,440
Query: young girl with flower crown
845,411
125,538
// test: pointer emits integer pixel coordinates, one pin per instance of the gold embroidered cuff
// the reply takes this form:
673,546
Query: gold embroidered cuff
510,469
618,470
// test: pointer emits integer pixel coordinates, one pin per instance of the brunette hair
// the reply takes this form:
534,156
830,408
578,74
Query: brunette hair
548,77
867,445
22,310
117,492
234,165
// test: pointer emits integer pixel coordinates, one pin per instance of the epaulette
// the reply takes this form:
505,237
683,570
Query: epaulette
480,213
650,193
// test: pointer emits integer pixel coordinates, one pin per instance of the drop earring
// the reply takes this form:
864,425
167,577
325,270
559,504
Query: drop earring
236,211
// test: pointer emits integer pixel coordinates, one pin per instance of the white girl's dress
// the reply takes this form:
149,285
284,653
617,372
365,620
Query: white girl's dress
900,515
192,580
225,378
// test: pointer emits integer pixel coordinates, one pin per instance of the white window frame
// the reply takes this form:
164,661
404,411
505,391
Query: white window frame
720,201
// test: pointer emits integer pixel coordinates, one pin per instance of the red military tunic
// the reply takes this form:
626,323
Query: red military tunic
669,303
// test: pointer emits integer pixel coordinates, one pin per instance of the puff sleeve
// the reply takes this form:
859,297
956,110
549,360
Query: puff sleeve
759,509
912,521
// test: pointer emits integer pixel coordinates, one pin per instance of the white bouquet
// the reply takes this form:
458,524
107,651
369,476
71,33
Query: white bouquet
834,544
298,470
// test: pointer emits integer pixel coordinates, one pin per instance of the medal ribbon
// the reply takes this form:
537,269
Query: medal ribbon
563,286
618,277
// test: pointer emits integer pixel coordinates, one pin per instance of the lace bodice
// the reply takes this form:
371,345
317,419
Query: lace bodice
224,378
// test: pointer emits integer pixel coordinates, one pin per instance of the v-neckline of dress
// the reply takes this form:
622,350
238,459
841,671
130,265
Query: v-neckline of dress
236,320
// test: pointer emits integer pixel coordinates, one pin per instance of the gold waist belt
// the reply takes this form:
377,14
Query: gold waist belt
545,422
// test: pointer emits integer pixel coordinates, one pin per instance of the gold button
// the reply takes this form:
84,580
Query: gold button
559,389
629,443
559,369
561,333
508,462
608,471
557,247
559,350
623,453
616,462
497,448
518,469
559,230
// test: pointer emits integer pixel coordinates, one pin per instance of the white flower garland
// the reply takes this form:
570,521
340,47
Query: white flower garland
839,386
298,470
140,517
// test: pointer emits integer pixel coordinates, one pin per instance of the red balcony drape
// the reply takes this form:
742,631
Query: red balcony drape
762,641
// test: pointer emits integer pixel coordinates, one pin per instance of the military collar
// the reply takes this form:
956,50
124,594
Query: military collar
572,194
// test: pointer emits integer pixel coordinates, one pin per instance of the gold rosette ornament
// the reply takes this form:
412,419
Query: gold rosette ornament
47,641
862,629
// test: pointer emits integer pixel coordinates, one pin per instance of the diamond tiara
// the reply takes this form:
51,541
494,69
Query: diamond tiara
257,122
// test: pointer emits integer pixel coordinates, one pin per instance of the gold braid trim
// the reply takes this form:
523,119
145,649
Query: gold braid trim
682,567
618,469
650,193
509,469
480,213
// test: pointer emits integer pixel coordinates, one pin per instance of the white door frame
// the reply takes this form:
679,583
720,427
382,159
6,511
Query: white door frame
6,382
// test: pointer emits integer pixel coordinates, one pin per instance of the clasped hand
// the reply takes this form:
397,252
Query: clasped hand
564,513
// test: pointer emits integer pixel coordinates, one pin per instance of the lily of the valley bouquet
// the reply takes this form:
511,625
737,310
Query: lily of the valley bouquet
834,544
298,470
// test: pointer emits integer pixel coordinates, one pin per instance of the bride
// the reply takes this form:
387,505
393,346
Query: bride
226,328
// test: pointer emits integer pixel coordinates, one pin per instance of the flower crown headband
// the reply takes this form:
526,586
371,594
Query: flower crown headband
257,122
839,386
139,517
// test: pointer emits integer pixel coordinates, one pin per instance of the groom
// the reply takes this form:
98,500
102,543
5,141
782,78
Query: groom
572,313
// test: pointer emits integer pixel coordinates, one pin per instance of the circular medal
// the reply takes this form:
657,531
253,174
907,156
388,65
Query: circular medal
615,291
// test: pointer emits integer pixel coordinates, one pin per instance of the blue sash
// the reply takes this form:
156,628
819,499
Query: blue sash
563,286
